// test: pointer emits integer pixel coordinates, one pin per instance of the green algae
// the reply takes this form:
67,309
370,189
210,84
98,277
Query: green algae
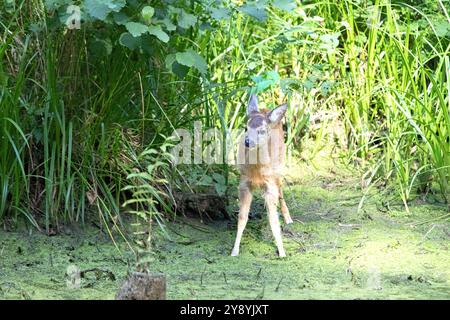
335,251
34,266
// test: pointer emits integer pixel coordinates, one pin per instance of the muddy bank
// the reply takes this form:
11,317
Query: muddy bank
334,252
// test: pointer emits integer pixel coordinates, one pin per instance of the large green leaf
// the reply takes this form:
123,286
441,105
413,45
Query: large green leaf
287,5
170,59
127,40
120,18
158,32
136,29
177,68
255,9
186,20
263,82
169,24
190,58
147,13
220,13
101,8
442,27
55,4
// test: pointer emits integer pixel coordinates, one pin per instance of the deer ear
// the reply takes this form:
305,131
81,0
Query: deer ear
277,114
252,104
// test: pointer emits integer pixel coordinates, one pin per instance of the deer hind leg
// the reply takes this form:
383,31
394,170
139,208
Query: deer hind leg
284,209
271,196
245,199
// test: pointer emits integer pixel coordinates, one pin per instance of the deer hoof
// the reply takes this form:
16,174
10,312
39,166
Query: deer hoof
282,254
288,220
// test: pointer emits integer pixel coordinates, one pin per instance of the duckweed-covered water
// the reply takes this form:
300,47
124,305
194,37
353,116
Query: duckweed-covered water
334,252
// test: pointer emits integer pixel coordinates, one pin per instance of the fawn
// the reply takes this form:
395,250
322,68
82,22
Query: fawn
261,159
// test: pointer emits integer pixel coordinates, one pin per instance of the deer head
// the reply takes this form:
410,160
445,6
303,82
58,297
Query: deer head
261,122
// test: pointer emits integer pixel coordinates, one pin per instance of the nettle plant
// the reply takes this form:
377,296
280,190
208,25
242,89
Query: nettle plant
132,24
173,23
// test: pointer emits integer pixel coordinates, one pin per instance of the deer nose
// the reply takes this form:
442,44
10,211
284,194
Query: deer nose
247,142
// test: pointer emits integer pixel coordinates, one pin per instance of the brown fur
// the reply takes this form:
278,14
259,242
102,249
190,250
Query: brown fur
263,174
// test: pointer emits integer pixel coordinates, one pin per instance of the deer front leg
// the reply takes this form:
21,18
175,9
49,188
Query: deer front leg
271,196
245,200
284,209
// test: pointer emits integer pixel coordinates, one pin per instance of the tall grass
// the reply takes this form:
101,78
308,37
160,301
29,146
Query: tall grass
396,97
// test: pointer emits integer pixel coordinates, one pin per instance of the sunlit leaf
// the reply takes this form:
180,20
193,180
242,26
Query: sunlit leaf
147,13
255,9
158,32
265,81
442,27
170,59
136,29
101,8
287,5
220,13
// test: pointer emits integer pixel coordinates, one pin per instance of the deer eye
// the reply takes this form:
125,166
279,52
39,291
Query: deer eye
261,131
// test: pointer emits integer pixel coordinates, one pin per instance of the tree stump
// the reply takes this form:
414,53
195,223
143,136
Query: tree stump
203,205
143,286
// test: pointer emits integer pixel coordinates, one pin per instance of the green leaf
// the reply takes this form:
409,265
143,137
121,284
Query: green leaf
186,20
220,13
442,27
255,9
265,81
180,70
326,87
205,181
120,18
329,41
100,47
169,24
190,58
55,4
136,29
173,10
220,179
101,8
286,5
127,40
159,33
170,59
220,189
147,13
